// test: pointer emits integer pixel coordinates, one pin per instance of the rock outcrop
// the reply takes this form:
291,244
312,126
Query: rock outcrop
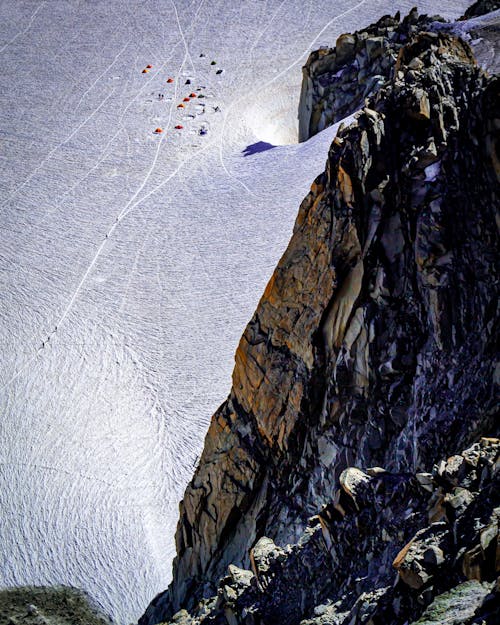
347,478
337,80
342,570
481,7
59,605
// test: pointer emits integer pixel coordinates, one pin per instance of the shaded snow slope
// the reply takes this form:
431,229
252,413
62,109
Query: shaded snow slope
130,262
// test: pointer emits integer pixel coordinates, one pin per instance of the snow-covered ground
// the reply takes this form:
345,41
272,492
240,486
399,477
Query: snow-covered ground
131,261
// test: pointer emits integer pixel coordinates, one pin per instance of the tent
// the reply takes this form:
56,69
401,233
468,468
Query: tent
193,95
145,71
180,106
179,127
170,80
158,131
149,66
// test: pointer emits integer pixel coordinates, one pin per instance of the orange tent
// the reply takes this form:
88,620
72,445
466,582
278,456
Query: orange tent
149,66
170,80
186,100
180,106
193,95
158,131
145,71
179,127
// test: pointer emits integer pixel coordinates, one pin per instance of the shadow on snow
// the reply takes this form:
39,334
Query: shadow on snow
255,148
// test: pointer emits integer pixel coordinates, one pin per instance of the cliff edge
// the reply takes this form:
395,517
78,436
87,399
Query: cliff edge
352,474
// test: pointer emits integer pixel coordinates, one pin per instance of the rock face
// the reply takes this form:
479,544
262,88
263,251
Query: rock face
346,480
337,80
481,7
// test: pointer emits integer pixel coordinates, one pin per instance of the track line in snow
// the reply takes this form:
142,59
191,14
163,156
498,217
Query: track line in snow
271,81
22,32
221,158
105,152
102,74
186,47
54,150
125,211
308,49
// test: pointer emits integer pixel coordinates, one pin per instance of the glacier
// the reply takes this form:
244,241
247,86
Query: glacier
131,261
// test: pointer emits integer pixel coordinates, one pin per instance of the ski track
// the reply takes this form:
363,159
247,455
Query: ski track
57,148
126,210
102,75
183,38
273,80
23,32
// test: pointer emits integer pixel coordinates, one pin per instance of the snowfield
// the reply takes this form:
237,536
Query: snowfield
131,261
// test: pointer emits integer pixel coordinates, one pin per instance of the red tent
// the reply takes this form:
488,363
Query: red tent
170,80
180,106
158,131
149,66
179,127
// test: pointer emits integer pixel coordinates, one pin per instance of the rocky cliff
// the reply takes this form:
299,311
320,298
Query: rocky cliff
351,476
337,80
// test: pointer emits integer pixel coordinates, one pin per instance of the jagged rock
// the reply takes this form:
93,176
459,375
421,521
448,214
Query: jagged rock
418,561
481,7
372,346
344,48
355,483
337,81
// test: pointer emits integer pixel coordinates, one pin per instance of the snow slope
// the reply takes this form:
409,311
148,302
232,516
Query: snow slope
130,262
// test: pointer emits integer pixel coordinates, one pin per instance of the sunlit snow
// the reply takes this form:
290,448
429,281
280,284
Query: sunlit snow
131,261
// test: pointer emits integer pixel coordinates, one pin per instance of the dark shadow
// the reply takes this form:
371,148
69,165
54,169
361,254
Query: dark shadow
255,148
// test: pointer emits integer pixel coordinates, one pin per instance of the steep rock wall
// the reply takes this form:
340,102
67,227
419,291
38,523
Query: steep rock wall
374,342
336,81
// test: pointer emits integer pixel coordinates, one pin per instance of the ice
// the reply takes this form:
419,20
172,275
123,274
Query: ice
130,262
